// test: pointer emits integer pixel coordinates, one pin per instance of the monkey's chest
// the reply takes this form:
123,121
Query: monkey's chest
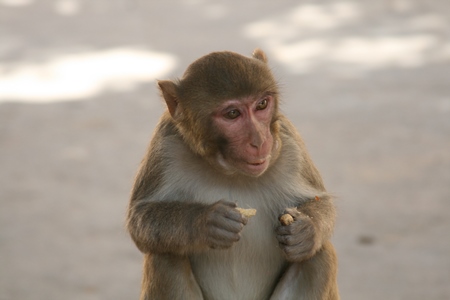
248,270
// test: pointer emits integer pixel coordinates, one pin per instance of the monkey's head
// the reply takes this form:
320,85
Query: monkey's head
226,109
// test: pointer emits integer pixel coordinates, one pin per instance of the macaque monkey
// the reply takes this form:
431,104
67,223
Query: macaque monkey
222,145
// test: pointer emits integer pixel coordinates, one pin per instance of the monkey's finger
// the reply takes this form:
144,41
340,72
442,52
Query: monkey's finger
305,248
223,238
223,216
235,215
229,225
293,211
295,253
285,239
239,217
223,234
292,229
283,230
223,207
290,240
227,203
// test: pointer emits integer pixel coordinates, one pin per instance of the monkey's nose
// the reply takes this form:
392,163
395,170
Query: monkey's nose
257,137
257,141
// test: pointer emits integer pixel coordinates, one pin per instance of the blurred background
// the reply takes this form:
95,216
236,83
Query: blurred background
367,83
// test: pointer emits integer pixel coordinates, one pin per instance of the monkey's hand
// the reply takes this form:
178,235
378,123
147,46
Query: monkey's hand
299,240
223,224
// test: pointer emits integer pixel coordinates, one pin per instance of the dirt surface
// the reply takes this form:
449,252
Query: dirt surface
366,82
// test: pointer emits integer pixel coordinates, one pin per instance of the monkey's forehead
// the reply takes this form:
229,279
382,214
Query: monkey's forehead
226,75
225,62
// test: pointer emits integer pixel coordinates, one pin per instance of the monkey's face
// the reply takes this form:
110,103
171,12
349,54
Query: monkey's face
239,95
244,126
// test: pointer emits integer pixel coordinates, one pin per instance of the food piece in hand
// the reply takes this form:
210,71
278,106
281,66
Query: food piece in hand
286,219
247,212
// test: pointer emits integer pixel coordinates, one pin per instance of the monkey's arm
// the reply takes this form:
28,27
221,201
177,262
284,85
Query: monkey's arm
314,219
181,228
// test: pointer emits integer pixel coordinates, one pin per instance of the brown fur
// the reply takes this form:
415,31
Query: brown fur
174,209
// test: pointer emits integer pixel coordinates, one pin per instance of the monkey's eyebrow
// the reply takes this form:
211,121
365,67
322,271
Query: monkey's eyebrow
231,105
268,93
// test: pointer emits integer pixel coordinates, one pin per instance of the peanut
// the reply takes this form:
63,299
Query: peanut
286,219
248,212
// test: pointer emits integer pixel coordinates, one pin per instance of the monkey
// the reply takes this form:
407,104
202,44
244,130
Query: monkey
223,143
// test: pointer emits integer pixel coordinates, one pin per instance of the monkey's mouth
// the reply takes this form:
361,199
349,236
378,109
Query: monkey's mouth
256,167
257,163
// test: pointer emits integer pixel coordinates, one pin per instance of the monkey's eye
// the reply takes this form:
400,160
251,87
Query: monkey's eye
262,105
232,114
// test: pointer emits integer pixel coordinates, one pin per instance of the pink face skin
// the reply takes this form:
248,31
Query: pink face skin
245,124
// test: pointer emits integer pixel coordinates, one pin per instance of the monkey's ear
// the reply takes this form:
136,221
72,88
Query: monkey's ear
259,54
169,92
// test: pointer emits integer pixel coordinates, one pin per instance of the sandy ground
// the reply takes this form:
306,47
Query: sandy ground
366,82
